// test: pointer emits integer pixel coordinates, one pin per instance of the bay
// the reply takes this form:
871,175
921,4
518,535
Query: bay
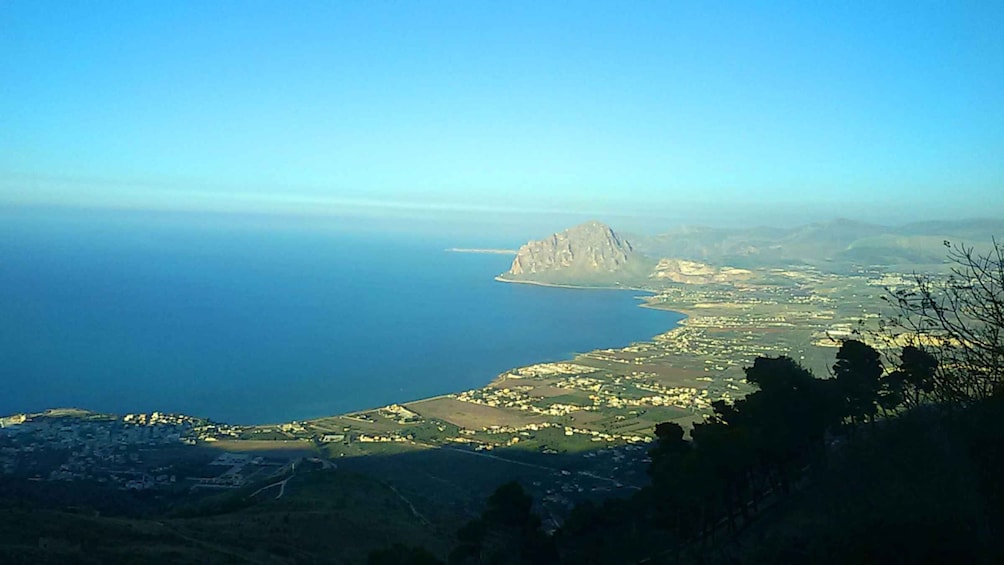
259,322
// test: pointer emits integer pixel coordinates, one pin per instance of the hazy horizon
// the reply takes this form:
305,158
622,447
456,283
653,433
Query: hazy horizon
724,114
454,226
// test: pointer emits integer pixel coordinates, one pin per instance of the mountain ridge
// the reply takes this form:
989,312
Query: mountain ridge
593,254
834,243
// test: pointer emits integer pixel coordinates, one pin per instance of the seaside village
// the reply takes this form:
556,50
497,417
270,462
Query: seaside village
132,452
547,407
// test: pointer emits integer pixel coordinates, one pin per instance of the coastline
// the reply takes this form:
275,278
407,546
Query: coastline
482,251
644,303
572,286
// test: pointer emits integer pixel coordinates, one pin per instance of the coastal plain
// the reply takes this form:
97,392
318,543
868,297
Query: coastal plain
569,431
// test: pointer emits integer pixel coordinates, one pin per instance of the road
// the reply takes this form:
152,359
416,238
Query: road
615,482
281,484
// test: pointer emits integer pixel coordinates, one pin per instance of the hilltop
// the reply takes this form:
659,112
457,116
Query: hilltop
587,254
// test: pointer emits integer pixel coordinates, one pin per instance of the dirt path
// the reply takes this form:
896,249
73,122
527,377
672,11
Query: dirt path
281,484
414,511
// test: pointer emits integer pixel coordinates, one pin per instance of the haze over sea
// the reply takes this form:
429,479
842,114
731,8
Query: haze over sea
119,312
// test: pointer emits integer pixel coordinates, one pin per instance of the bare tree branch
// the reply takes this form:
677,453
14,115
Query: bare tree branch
959,318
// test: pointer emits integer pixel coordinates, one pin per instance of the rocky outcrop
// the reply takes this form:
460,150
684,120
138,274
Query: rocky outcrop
587,253
693,272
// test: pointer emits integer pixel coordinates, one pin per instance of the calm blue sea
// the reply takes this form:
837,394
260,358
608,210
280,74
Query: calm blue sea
252,322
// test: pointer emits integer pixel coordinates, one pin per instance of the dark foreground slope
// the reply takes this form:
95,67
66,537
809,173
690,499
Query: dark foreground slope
924,488
324,516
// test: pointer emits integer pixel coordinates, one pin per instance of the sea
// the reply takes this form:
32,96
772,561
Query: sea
253,321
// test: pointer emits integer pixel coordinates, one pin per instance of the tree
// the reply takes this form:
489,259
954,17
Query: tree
784,422
858,371
509,506
675,462
507,532
959,320
913,380
742,450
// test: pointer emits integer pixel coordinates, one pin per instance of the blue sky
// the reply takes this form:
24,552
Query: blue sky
714,112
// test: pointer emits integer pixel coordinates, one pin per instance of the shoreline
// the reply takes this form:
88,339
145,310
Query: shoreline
482,251
571,286
644,303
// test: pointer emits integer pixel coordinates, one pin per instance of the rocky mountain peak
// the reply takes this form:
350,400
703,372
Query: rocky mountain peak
587,251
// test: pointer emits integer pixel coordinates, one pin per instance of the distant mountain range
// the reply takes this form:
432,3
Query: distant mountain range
839,243
593,254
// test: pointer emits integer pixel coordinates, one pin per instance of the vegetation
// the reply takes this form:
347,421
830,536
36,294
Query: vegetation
804,470
507,531
961,318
